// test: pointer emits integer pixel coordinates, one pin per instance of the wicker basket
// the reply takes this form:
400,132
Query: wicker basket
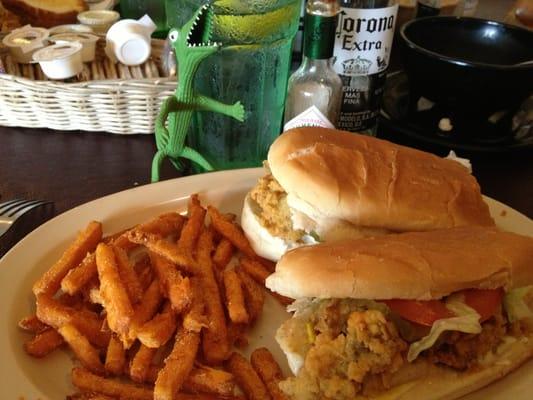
105,97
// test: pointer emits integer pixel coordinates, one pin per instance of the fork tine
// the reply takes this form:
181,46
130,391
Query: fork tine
6,206
23,208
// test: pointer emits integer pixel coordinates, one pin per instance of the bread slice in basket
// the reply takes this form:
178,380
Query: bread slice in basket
46,13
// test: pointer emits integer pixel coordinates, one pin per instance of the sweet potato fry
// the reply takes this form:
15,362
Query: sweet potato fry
255,269
237,335
235,297
128,275
164,248
43,343
170,223
32,324
203,379
87,381
176,287
122,240
86,242
151,375
259,272
91,299
269,371
53,313
254,294
223,253
247,379
80,275
149,305
74,301
90,396
230,231
140,364
144,311
134,285
270,265
95,297
143,268
193,226
163,225
111,238
195,318
116,301
215,337
156,332
115,359
178,365
205,396
84,351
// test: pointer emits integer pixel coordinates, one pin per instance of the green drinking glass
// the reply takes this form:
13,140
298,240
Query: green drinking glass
135,9
253,67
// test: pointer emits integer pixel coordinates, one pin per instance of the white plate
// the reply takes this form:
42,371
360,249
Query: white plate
49,378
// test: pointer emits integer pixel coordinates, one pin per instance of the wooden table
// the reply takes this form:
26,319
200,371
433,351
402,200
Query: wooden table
71,168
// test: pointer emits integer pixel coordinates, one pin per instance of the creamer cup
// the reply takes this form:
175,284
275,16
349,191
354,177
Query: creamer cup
61,60
70,28
87,40
99,20
129,41
23,42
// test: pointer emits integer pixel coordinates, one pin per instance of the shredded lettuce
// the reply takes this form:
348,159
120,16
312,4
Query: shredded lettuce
303,306
466,320
315,236
518,303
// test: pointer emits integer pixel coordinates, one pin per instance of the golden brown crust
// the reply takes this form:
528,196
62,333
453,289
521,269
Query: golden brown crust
46,13
417,265
372,182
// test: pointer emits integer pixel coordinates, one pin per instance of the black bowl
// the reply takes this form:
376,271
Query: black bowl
470,65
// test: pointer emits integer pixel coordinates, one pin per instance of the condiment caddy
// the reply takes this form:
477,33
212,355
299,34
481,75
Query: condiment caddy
99,95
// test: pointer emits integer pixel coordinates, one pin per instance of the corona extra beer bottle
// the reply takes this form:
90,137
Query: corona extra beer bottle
363,43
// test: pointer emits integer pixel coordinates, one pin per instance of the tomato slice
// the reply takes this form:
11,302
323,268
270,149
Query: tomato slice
484,301
421,312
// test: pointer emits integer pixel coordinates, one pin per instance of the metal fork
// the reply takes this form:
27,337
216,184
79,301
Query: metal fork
11,210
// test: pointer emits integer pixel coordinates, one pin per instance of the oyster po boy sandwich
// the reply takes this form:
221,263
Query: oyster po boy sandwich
326,185
421,315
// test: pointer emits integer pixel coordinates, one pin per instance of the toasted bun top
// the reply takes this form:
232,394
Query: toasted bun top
417,265
375,183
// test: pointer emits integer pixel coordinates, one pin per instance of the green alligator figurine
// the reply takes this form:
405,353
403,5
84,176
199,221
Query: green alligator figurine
192,44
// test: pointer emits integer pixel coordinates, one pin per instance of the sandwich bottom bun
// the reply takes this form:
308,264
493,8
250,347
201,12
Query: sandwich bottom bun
446,384
430,382
263,243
